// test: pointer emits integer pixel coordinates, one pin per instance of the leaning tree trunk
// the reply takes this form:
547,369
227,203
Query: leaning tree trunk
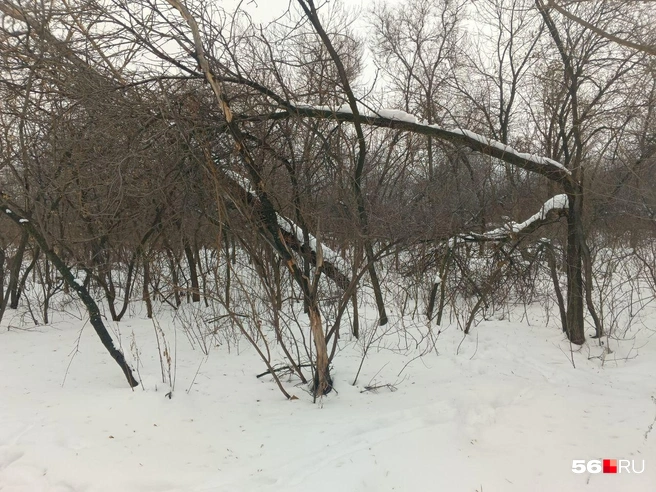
77,286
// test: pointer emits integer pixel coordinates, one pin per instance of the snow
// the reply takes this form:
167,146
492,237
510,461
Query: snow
452,242
23,221
345,108
467,133
394,114
313,107
540,160
503,411
79,282
8,211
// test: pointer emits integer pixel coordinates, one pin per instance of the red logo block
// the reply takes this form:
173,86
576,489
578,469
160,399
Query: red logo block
610,466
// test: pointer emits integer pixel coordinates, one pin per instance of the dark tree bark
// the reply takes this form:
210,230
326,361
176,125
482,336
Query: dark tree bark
193,272
572,144
36,252
146,287
173,267
95,318
574,257
226,244
14,273
3,299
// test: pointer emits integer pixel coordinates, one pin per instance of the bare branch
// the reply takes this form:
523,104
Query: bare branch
645,48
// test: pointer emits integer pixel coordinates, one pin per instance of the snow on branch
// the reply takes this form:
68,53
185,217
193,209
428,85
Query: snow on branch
333,264
555,205
328,254
400,120
558,202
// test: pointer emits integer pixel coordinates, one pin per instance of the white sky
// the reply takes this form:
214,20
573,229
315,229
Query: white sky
261,10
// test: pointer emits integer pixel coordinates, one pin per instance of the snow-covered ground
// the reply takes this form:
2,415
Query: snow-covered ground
503,410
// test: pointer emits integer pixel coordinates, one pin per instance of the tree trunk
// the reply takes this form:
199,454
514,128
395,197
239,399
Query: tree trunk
193,272
587,268
14,274
574,256
128,289
227,274
551,260
322,381
355,327
3,299
146,289
104,278
439,285
173,267
23,280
